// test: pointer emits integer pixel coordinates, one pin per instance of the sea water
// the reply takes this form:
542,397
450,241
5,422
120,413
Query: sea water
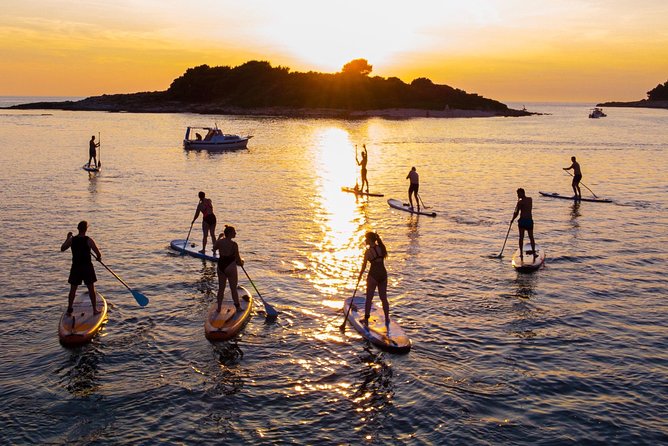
573,353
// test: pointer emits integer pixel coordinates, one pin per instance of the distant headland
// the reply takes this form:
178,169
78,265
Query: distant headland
656,98
257,88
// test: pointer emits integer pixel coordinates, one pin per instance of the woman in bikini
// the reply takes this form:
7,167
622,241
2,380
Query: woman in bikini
227,265
205,206
377,277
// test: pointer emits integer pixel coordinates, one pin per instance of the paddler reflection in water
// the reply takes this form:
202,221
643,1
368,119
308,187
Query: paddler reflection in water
525,223
205,206
227,265
375,255
82,266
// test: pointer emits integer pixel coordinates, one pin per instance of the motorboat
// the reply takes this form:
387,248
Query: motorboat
597,113
213,139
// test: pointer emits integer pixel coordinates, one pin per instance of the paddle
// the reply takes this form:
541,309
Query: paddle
592,192
183,251
504,242
139,297
423,205
345,319
99,152
272,314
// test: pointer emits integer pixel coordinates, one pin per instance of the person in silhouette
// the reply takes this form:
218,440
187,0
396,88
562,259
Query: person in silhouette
363,163
82,265
577,177
92,152
227,265
414,187
205,206
525,222
375,256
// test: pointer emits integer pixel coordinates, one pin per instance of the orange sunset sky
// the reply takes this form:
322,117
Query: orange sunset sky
512,50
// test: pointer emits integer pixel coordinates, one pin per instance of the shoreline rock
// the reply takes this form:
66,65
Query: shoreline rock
644,103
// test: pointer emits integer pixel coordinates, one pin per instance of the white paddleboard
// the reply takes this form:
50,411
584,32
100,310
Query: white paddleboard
529,263
88,168
193,249
82,325
391,338
398,204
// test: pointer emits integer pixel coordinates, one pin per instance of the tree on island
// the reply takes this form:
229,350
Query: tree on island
357,66
660,93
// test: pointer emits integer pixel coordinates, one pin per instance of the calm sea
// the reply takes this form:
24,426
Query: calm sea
574,353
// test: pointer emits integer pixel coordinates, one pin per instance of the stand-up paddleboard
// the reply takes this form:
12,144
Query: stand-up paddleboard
80,326
352,190
564,197
193,249
529,263
228,323
87,167
392,338
397,204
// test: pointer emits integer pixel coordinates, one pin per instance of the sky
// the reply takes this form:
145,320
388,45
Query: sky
511,51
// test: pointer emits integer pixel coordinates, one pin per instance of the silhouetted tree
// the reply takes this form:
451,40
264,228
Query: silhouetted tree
660,93
357,66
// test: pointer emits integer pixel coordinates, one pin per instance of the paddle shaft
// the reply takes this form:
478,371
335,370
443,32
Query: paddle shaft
345,319
423,205
99,152
139,297
592,192
183,251
271,311
506,239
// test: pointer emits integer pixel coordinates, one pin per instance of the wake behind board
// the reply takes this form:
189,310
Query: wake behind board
193,249
529,263
228,323
88,168
79,327
355,191
392,339
397,204
564,197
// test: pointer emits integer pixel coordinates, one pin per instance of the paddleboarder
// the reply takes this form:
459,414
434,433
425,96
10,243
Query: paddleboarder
525,222
82,266
414,187
363,163
577,177
375,255
227,265
205,206
92,152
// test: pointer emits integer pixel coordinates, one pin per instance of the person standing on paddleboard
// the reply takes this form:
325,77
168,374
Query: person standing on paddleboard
205,206
577,177
92,153
414,187
363,163
227,265
525,223
375,255
82,265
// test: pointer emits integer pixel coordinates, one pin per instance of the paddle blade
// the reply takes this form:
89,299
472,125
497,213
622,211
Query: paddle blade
140,298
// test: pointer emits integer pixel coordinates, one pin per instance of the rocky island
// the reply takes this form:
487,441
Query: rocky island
656,98
257,88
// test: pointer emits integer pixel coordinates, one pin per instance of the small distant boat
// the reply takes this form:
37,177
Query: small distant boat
213,139
597,113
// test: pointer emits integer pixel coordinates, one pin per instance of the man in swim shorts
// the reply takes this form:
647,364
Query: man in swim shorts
577,177
82,266
525,223
414,187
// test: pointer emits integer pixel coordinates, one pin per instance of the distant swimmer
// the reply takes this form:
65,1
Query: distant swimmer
82,265
205,206
525,223
414,187
375,255
362,163
92,153
577,176
227,265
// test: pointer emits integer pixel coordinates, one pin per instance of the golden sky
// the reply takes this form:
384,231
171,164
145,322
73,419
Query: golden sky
509,50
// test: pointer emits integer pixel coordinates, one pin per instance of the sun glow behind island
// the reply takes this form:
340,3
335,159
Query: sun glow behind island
516,50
